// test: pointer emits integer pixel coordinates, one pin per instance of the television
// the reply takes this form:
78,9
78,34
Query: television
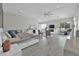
51,26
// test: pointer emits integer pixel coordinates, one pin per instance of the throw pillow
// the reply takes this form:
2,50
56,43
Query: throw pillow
6,45
7,34
12,33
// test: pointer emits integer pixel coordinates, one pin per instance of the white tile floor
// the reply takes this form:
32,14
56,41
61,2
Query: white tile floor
51,46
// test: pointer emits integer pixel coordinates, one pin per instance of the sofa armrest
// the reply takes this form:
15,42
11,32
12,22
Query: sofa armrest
13,51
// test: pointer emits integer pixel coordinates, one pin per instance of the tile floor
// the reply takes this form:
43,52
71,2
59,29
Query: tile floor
51,46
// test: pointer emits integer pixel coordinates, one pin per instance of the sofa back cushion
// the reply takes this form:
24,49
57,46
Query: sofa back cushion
12,33
7,34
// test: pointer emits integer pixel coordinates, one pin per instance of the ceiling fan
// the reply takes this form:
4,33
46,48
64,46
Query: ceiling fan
50,13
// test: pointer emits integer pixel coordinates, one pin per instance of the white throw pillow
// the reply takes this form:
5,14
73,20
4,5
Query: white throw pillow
4,37
7,34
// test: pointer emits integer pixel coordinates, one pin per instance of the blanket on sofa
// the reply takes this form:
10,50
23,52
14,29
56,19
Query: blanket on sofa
22,36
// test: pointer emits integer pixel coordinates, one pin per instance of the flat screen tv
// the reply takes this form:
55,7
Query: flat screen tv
51,26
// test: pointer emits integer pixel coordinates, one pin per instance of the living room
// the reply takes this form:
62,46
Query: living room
39,29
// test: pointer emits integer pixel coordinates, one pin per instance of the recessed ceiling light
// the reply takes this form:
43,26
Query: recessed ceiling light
57,16
74,18
20,12
58,6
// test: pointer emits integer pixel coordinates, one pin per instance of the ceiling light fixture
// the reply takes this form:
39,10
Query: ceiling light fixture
20,12
57,6
49,13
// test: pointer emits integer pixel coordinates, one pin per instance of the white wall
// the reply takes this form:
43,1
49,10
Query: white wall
14,21
0,15
57,22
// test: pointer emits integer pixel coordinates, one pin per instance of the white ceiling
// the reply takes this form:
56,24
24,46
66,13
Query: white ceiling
38,9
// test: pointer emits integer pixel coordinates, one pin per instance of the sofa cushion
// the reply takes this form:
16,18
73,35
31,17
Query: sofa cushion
12,33
24,35
16,39
21,37
7,34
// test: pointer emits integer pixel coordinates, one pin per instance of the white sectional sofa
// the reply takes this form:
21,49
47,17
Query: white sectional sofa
19,43
15,50
25,40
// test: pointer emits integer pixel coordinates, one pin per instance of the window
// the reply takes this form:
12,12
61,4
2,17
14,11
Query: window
43,26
